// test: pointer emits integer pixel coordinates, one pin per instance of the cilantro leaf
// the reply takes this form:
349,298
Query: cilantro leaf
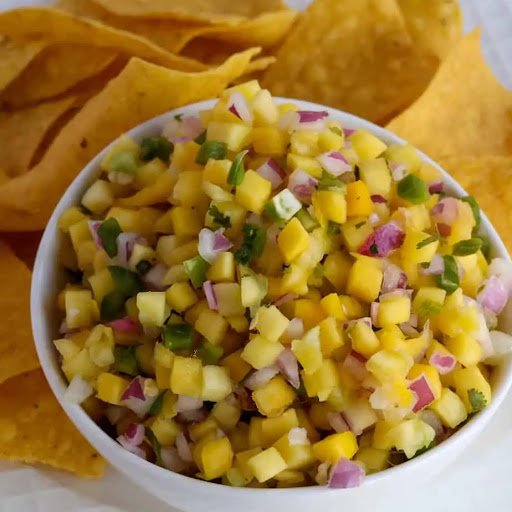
429,308
330,182
157,447
467,247
219,218
253,244
477,400
428,241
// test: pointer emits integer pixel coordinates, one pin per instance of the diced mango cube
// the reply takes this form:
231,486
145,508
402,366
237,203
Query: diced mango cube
394,310
306,163
359,202
364,280
308,351
387,365
235,135
216,383
254,192
222,269
330,335
377,176
98,197
79,312
216,457
292,240
260,352
186,222
272,398
269,140
364,340
273,428
310,311
216,172
465,348
212,326
450,408
152,308
111,388
367,145
332,306
296,456
180,296
335,446
322,382
472,388
271,323
336,269
238,367
187,376
267,464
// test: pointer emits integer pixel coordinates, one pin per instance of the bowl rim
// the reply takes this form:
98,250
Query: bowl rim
102,442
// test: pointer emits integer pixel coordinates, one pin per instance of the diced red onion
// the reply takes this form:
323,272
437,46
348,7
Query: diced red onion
183,130
311,116
302,185
421,388
135,399
398,170
260,378
284,299
211,244
337,422
288,121
191,127
271,171
376,198
348,132
355,365
209,293
154,278
132,439
334,162
192,416
380,400
394,277
444,363
289,367
436,187
94,226
244,397
272,234
493,296
126,325
238,106
322,473
188,403
445,211
435,268
295,329
125,244
115,414
64,329
481,334
183,447
382,241
374,219
311,120
347,144
398,292
78,390
370,383
432,419
502,269
298,437
345,474
502,346
172,461
374,312
408,329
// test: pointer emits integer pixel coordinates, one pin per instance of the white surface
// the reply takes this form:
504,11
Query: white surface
478,479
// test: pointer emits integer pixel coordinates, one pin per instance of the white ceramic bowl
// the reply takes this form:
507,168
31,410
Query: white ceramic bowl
194,495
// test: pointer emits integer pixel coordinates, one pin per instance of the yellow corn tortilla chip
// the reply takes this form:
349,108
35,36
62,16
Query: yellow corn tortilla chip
140,92
57,26
15,56
34,428
355,55
465,110
487,178
24,245
23,131
17,351
435,25
54,71
206,11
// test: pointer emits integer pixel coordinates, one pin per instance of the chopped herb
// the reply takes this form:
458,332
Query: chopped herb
157,447
156,407
125,361
374,249
123,162
201,138
178,117
112,306
359,225
223,221
477,400
449,279
425,449
474,208
126,281
412,189
211,149
178,336
428,241
253,244
195,269
429,308
424,264
208,353
330,182
108,231
333,228
467,247
143,267
336,130
156,147
486,246
237,171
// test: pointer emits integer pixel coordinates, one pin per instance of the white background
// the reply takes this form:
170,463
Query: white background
478,480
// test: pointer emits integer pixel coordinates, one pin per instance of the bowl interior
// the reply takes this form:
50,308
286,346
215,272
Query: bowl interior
49,277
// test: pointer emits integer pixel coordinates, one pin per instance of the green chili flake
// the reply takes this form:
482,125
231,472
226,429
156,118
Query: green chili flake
156,407
336,130
449,279
477,400
143,267
125,361
428,241
155,444
195,269
156,147
474,208
412,189
212,149
221,220
201,138
126,281
237,171
359,225
253,244
178,117
179,336
112,306
467,247
374,249
123,162
429,308
209,353
333,228
108,231
330,182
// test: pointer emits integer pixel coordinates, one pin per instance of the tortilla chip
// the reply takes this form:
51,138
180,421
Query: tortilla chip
464,111
435,25
56,71
57,26
17,351
206,11
24,245
140,92
354,55
22,132
484,177
34,428
15,56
